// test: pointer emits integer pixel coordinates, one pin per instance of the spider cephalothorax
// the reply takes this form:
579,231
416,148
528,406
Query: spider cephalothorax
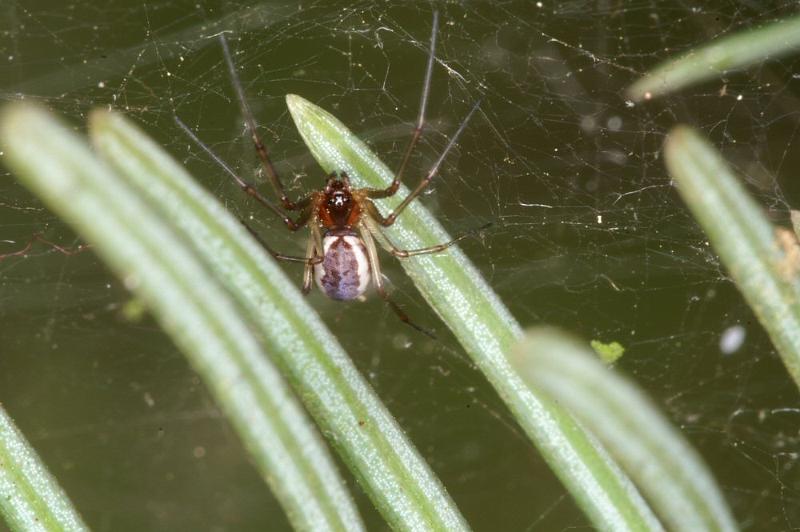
337,208
341,254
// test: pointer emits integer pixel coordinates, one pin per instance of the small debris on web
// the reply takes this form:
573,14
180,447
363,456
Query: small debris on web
134,310
608,353
789,266
732,339
37,237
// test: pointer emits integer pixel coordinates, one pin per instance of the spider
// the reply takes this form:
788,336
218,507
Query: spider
341,254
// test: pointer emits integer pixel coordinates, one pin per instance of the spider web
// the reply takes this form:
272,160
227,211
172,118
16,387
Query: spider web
588,234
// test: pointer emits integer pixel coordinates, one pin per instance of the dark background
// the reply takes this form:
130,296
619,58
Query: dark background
588,234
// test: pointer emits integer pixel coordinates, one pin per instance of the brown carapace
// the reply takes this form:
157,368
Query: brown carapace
341,254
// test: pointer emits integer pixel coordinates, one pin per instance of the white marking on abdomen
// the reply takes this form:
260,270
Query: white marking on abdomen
344,272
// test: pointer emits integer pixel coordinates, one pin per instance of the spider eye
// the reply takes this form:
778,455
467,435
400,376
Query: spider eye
337,201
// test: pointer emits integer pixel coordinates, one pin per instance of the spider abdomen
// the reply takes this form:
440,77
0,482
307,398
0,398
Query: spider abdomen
344,272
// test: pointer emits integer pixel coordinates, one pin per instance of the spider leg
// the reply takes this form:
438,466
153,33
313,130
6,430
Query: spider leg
244,185
314,250
405,253
389,220
301,221
247,113
372,254
423,103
